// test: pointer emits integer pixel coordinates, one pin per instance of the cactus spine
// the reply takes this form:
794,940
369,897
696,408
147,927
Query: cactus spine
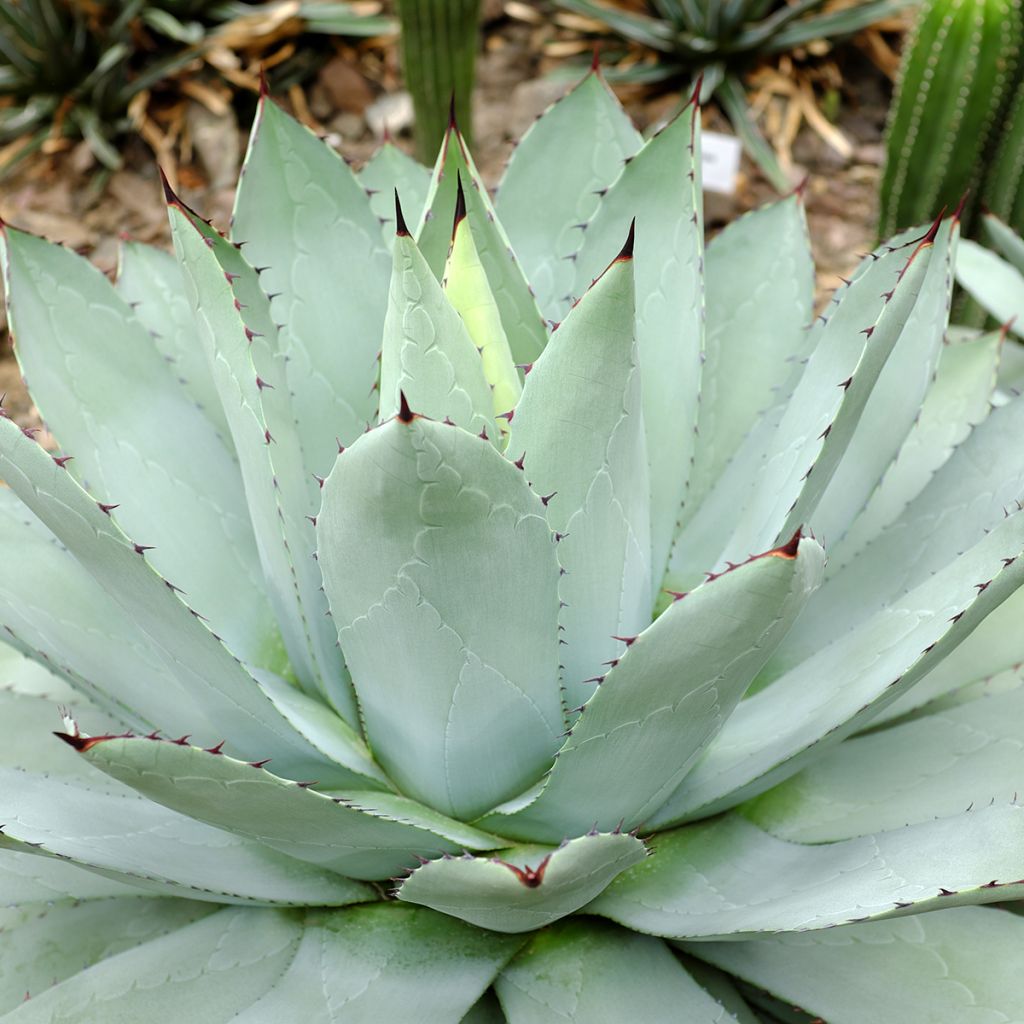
956,78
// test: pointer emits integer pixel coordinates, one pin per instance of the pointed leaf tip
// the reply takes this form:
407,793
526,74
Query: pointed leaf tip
595,60
460,203
169,194
453,125
84,743
401,228
626,252
791,547
264,85
405,414
958,212
697,87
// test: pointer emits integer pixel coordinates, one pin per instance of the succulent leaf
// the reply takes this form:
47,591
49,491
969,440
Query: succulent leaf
332,284
282,494
947,968
578,430
523,888
155,849
479,655
392,170
996,284
360,833
82,350
659,188
648,723
524,328
697,883
428,354
554,181
576,971
932,767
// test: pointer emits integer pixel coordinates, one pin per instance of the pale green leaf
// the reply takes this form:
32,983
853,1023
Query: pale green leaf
428,354
554,180
262,415
301,213
388,962
391,169
726,877
133,840
994,283
110,398
967,497
468,290
26,878
841,688
817,426
759,281
935,766
44,944
207,971
579,971
667,698
55,612
520,317
361,834
579,431
150,281
660,188
957,400
523,888
193,656
1005,239
428,533
955,967
894,404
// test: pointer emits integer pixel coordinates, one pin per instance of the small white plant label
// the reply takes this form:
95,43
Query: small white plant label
721,162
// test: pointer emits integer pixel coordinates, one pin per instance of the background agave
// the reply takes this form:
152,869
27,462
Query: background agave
794,759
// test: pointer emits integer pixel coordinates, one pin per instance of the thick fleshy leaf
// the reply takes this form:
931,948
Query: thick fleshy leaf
43,945
194,657
209,970
468,290
383,963
362,834
523,888
956,402
428,355
26,878
82,350
660,189
150,281
997,285
996,646
250,374
301,213
578,430
965,499
428,533
727,877
934,766
841,688
554,181
759,278
136,841
391,169
520,317
817,426
952,967
667,697
894,404
55,612
1004,238
586,970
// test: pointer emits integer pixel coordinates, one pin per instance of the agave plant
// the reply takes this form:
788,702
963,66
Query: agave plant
719,38
375,707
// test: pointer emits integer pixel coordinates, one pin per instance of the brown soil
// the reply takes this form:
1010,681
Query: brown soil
64,198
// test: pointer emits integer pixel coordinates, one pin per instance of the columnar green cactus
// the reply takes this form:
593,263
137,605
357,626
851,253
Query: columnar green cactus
368,715
956,78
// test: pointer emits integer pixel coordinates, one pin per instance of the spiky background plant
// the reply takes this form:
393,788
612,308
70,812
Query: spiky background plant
720,39
369,714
